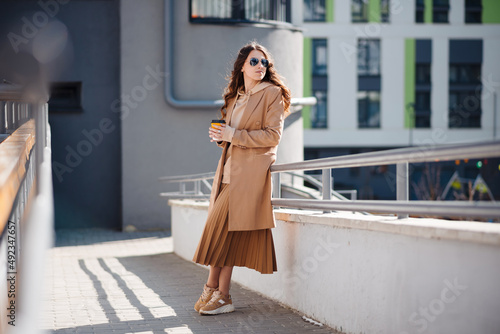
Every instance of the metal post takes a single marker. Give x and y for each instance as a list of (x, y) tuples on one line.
[(402, 191), (276, 185), (327, 183), (197, 187), (326, 179)]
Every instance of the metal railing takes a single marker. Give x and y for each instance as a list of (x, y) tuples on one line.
[(401, 157), (191, 186), (197, 181), (401, 206), (26, 210)]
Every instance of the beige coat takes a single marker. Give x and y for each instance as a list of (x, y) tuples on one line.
[(254, 145)]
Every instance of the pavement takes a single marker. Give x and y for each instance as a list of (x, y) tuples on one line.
[(101, 281)]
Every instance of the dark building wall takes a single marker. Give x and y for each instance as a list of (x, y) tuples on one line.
[(86, 147)]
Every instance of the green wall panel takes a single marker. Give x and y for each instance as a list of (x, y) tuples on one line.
[(329, 7), (428, 11), (409, 82), (374, 11), (491, 11)]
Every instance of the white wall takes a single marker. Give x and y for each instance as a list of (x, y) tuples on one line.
[(373, 275), (160, 140)]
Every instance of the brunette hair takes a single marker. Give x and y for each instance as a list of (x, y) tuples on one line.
[(236, 82)]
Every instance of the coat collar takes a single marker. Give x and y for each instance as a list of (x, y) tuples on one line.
[(253, 100)]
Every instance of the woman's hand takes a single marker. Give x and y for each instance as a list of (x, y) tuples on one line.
[(216, 134)]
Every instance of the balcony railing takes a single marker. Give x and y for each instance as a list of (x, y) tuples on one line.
[(333, 201), (274, 12), (401, 157)]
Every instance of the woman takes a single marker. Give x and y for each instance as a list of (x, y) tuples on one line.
[(240, 216)]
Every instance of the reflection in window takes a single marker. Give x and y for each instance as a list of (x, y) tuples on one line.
[(368, 57), (465, 109), (359, 11), (319, 115), (423, 73), (465, 74), (423, 109), (385, 10), (319, 57), (440, 11), (473, 11), (368, 109), (423, 96), (419, 11), (314, 10), (235, 11)]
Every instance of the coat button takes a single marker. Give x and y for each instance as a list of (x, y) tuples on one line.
[(257, 123)]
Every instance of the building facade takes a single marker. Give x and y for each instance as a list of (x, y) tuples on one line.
[(133, 86), (399, 73)]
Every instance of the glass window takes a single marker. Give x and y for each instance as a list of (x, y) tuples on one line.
[(234, 11), (440, 11), (465, 74), (423, 74), (314, 10), (368, 57), (423, 109), (359, 11), (419, 11), (319, 115), (385, 10), (473, 11), (465, 109), (211, 9), (368, 109), (320, 58)]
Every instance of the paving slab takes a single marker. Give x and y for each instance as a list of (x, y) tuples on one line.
[(101, 281)]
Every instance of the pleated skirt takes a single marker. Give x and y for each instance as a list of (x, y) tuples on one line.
[(219, 247)]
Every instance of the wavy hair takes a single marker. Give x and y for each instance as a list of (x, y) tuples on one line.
[(236, 82)]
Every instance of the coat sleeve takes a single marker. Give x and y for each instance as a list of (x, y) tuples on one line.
[(270, 135)]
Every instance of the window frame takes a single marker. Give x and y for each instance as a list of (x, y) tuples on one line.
[(319, 70), (316, 16), (362, 15), (365, 124), (323, 102), (473, 8), (368, 58), (440, 8)]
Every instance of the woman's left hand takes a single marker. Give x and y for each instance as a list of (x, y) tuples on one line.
[(216, 134)]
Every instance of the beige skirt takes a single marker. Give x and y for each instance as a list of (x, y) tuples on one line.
[(219, 247)]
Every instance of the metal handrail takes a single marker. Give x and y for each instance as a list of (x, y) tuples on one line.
[(401, 157), (433, 208)]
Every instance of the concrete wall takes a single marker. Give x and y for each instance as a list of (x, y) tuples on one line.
[(371, 274), (159, 140), (74, 41)]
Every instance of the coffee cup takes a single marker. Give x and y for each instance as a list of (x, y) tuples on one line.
[(217, 121)]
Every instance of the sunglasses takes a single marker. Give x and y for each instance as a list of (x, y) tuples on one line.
[(255, 61)]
